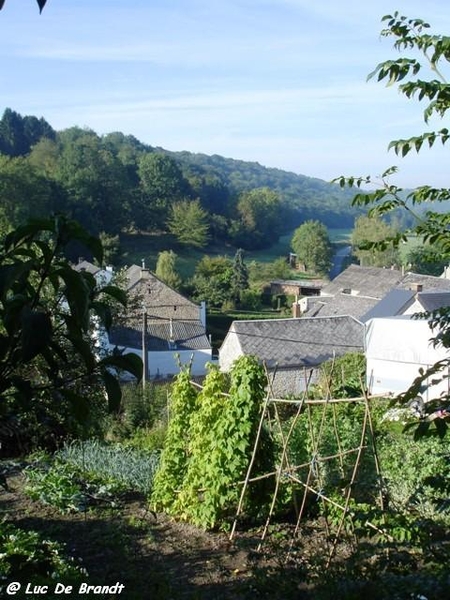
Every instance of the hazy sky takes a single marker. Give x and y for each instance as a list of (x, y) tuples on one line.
[(280, 82)]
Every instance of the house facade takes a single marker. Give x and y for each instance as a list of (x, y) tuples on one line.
[(292, 350), (163, 326), (396, 348)]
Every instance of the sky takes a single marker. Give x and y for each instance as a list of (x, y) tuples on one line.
[(279, 82)]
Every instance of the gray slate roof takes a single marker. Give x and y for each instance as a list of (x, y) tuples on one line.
[(434, 300), (160, 300), (429, 282), (364, 281), (296, 342), (341, 304), (185, 335), (367, 292), (390, 305)]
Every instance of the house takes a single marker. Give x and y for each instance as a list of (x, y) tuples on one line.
[(292, 349), (102, 276), (396, 348), (165, 324), (367, 292)]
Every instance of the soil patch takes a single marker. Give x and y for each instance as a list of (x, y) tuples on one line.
[(156, 557)]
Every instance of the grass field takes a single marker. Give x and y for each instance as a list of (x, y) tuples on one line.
[(138, 247)]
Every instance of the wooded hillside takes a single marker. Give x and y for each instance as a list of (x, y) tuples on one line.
[(115, 183)]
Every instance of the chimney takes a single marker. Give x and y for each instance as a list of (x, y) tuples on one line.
[(296, 312)]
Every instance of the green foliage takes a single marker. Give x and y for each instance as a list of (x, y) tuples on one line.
[(166, 269), (213, 281), (202, 486), (343, 377), (416, 475), (368, 241), (188, 222), (263, 272), (427, 259), (240, 276), (126, 467), (175, 456), (57, 485), (313, 248), (61, 366), (26, 556), (324, 441), (259, 222), (161, 186)]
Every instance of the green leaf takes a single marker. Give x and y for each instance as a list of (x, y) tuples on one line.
[(115, 292), (79, 404), (130, 362), (113, 391), (36, 333), (78, 288)]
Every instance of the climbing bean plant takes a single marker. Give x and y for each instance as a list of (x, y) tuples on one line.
[(174, 459), (201, 484)]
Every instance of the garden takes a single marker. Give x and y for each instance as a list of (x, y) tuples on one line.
[(221, 491)]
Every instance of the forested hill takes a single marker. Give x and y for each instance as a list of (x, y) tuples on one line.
[(114, 182), (312, 198)]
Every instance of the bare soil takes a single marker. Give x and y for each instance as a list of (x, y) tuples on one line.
[(156, 557)]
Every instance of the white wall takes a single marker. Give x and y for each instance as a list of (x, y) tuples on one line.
[(166, 364), (230, 350), (396, 348)]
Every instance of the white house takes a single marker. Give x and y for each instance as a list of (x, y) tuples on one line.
[(396, 348), (175, 327)]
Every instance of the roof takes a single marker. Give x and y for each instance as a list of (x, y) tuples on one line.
[(85, 265), (297, 342), (411, 280), (390, 305), (342, 304), (160, 300), (433, 300), (373, 282), (183, 335)]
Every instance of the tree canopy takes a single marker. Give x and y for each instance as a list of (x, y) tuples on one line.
[(368, 241), (312, 246), (421, 51)]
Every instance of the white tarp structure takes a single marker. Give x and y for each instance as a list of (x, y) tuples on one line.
[(396, 348)]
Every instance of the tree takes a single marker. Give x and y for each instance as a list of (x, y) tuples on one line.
[(24, 193), (240, 276), (162, 184), (95, 181), (189, 223), (259, 222), (51, 371), (426, 259), (312, 246), (432, 52), (166, 268), (213, 280), (370, 230), (18, 134)]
